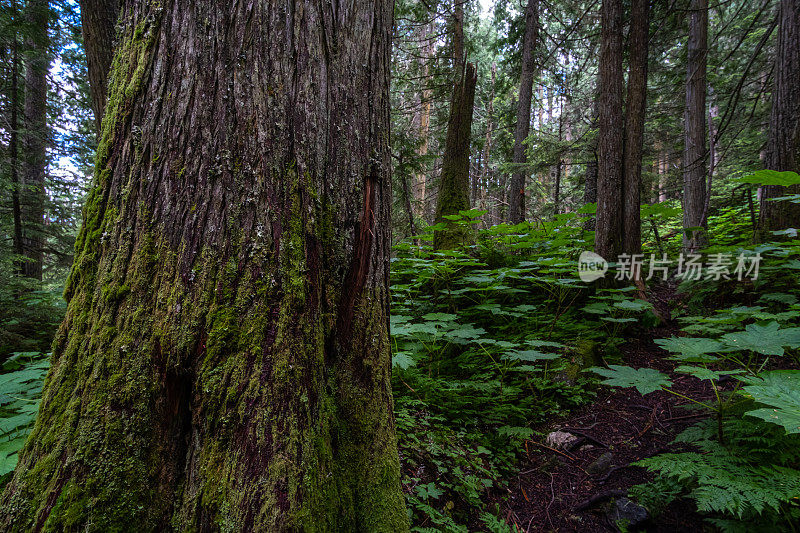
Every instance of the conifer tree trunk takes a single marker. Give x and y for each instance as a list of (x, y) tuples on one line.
[(487, 145), (635, 109), (98, 22), (34, 139), (454, 184), (224, 363), (424, 121), (695, 152), (609, 225), (783, 146), (590, 177), (516, 197), (13, 145)]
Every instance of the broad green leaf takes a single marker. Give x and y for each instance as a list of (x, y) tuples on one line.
[(705, 373), (780, 390), (442, 317), (543, 344), (473, 213), (531, 356), (403, 360), (772, 177), (690, 346), (597, 308), (766, 340), (633, 305), (645, 380)]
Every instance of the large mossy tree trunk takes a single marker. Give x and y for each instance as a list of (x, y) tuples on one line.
[(454, 183), (224, 363), (516, 196), (695, 153), (783, 147)]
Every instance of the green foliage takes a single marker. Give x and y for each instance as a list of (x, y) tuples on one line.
[(21, 380), (752, 477), (484, 338), (645, 380), (780, 392), (772, 177), (744, 471)]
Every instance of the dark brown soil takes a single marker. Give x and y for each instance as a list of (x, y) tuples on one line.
[(550, 489)]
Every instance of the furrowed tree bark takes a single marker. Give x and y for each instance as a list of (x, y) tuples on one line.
[(783, 146), (695, 153), (516, 198), (454, 184), (224, 363), (98, 23), (13, 145), (590, 184), (635, 110), (609, 225), (34, 138), (487, 145), (458, 39), (424, 122)]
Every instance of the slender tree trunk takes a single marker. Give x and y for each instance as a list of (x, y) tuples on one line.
[(663, 178), (454, 184), (590, 184), (407, 202), (783, 147), (712, 160), (559, 162), (609, 230), (98, 22), (695, 153), (516, 196), (13, 144), (634, 126), (458, 39), (487, 145), (225, 363), (557, 188), (424, 123), (34, 139)]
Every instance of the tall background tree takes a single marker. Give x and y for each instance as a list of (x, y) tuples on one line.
[(516, 198), (783, 145), (35, 137), (609, 230), (695, 154)]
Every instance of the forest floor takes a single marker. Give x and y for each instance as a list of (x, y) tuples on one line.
[(574, 488)]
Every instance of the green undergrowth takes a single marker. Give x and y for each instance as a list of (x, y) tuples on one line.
[(21, 378), (488, 346), (740, 465)]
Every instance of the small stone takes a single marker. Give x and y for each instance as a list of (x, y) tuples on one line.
[(560, 439), (628, 513), (602, 465), (586, 448)]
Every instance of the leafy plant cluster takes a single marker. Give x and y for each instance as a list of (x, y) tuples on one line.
[(489, 341), (21, 379), (741, 466)]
